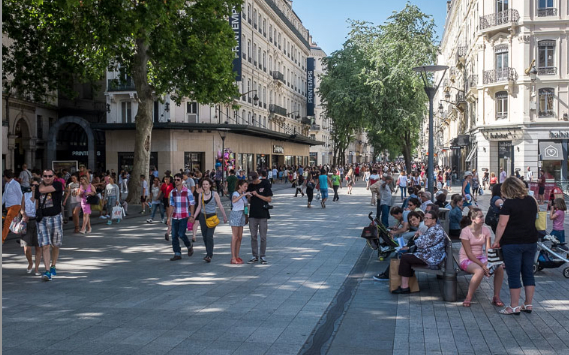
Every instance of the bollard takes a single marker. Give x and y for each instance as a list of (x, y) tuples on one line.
[(450, 287)]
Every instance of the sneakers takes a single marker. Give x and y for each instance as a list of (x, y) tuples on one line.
[(164, 220), (53, 271), (46, 276), (381, 277), (109, 222), (149, 220), (142, 212), (252, 260), (263, 260), (103, 217)]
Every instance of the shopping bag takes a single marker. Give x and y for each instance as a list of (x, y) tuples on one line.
[(395, 279), (541, 221), (117, 212), (18, 226)]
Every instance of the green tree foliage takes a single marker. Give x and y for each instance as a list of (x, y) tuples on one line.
[(391, 101), (167, 46)]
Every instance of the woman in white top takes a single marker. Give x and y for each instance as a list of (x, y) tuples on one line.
[(74, 200), (112, 193), (30, 239), (237, 219)]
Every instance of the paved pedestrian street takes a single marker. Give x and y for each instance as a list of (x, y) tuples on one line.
[(116, 292)]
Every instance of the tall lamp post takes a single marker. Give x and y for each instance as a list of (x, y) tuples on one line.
[(426, 72), (223, 134)]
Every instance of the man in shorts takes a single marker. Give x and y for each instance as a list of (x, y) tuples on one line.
[(323, 183), (50, 228)]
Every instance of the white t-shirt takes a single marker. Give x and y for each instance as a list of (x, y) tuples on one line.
[(275, 173), (239, 205), (144, 191), (402, 181), (25, 178)]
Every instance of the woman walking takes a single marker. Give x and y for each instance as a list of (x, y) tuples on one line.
[(85, 191), (156, 200), (30, 239), (112, 193), (310, 185), (466, 190), (517, 236), (238, 219), (208, 202), (350, 180), (73, 201), (474, 260)]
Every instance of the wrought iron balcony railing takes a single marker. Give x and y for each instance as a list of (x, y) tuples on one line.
[(498, 75), (277, 75), (277, 109), (461, 51), (546, 113), (547, 71), (120, 85), (306, 121), (550, 11), (499, 19), (472, 81), (315, 127), (460, 98)]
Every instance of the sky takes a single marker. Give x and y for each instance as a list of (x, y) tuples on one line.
[(326, 19)]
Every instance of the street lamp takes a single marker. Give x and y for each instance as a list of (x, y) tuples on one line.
[(255, 98), (223, 134), (430, 91)]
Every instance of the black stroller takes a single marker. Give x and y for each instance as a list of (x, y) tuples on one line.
[(378, 238)]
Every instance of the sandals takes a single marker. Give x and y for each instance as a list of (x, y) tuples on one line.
[(508, 311), (496, 302), (466, 303), (524, 308)]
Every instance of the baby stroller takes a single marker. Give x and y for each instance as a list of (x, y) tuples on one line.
[(378, 238), (551, 254)]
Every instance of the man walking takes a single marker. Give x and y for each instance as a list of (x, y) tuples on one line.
[(385, 200), (503, 175), (231, 182), (261, 196), (12, 199), (323, 183), (25, 177), (181, 208), (336, 184), (50, 227)]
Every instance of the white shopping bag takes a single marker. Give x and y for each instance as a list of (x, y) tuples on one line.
[(118, 212)]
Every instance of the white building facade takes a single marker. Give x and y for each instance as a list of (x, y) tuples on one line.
[(503, 103)]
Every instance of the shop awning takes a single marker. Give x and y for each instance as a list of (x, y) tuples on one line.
[(471, 154), (550, 151)]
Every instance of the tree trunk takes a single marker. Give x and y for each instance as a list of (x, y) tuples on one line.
[(406, 147), (143, 121)]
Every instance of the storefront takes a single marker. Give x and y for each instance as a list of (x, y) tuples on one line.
[(553, 159), (199, 146), (126, 161), (506, 156)]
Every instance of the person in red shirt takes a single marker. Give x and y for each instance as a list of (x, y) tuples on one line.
[(357, 172)]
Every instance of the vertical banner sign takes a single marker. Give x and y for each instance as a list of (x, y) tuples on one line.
[(235, 22), (310, 64)]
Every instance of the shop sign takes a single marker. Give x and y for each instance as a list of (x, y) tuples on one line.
[(559, 134), (81, 153), (235, 22), (310, 67), (278, 149), (502, 134), (550, 151), (504, 149)]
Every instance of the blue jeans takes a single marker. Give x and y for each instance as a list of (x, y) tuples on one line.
[(156, 206), (383, 211), (403, 192), (111, 202), (179, 227), (559, 234), (519, 258)]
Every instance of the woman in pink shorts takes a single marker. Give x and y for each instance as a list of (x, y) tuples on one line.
[(474, 236)]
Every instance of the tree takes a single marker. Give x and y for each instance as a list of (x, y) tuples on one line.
[(176, 47)]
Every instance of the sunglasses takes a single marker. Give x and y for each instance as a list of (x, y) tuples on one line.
[(48, 176), (178, 179), (35, 185)]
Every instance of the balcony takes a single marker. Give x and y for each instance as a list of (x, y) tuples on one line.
[(472, 82), (499, 19), (277, 110), (499, 75), (546, 113), (550, 11), (547, 71), (118, 85), (306, 121), (461, 55), (460, 98), (315, 127), (278, 76)]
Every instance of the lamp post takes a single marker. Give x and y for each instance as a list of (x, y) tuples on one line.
[(430, 91), (223, 134)]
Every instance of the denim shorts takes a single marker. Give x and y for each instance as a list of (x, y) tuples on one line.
[(559, 234), (324, 193), (519, 258)]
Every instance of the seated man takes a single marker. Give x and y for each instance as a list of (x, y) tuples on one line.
[(401, 218)]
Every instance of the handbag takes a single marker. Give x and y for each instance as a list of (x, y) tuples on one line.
[(210, 221), (495, 257), (370, 232), (18, 226), (93, 199), (395, 278), (491, 219), (39, 212)]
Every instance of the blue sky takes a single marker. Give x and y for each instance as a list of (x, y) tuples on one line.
[(326, 19)]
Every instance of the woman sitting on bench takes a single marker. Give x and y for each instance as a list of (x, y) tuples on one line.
[(474, 236), (430, 251)]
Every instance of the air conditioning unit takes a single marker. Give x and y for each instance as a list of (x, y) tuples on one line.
[(191, 118)]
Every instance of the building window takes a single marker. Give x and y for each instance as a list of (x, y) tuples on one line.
[(501, 5), (194, 161), (546, 102), (546, 57), (126, 112), (192, 107), (501, 105), (545, 8)]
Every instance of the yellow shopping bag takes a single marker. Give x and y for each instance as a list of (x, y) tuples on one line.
[(541, 221)]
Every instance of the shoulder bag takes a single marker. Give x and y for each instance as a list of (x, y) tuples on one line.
[(39, 212), (211, 221)]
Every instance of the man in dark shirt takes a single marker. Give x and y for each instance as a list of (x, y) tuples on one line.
[(231, 182), (50, 228), (258, 215)]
